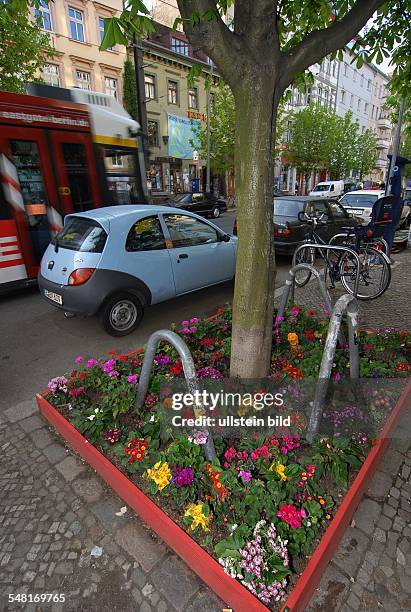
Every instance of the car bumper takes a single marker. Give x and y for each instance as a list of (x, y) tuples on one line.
[(285, 248), (75, 299)]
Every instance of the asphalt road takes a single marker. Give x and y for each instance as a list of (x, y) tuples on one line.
[(37, 342)]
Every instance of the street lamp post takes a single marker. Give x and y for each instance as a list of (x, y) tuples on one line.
[(208, 173)]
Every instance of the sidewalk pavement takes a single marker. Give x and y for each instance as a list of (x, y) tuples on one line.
[(62, 530)]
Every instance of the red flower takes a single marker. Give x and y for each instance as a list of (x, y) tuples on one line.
[(75, 392), (311, 312), (112, 353), (309, 334), (220, 310), (216, 356), (402, 366), (177, 368), (122, 357), (404, 333), (206, 342), (82, 375)]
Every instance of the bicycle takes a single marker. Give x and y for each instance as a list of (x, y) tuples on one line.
[(375, 269)]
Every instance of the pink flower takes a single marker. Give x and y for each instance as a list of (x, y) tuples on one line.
[(75, 392), (91, 362), (289, 514), (109, 365), (79, 359), (193, 329), (185, 323), (337, 376), (194, 320), (113, 373), (185, 330), (246, 476), (133, 378)]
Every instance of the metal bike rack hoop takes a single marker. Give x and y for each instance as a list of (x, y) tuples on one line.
[(350, 304), (189, 373), (332, 247), (289, 286)]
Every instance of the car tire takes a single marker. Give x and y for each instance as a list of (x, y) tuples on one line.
[(121, 314), (216, 212)]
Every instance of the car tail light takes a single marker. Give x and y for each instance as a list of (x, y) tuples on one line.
[(80, 276), (284, 232), (369, 233)]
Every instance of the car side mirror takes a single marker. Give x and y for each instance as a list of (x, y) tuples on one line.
[(302, 216), (225, 237)]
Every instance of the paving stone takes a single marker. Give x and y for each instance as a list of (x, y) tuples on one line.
[(55, 453), (350, 550), (139, 543), (89, 488), (331, 592), (174, 581), (70, 468), (21, 411), (105, 510), (391, 462), (205, 602), (32, 423), (379, 486), (367, 515)]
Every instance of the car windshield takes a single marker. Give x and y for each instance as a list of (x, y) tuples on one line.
[(81, 234), (322, 188), (287, 208), (364, 200), (182, 198)]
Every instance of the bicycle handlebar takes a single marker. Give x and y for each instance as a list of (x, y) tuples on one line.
[(321, 220)]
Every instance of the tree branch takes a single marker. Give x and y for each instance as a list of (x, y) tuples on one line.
[(320, 43), (213, 37)]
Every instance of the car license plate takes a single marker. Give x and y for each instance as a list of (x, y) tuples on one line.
[(54, 297), (356, 211)]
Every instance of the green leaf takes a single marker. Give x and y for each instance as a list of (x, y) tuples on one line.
[(177, 22), (113, 34)]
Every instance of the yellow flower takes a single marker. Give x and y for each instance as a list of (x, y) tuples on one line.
[(280, 471), (199, 519), (318, 334), (161, 474), (293, 339)]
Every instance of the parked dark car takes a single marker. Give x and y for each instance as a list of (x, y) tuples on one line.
[(205, 204), (289, 232)]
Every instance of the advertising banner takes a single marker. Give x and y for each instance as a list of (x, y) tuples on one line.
[(182, 133)]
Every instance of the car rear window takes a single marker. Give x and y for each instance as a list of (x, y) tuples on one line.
[(355, 200), (287, 208), (81, 234)]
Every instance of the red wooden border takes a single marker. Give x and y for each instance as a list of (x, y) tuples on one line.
[(209, 570)]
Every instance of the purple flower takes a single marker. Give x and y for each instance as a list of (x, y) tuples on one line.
[(58, 384), (162, 359), (183, 476), (185, 323), (209, 372), (337, 376), (295, 310), (91, 362), (113, 373), (109, 365), (185, 330), (194, 320), (133, 378), (79, 359), (193, 329), (246, 476), (198, 437)]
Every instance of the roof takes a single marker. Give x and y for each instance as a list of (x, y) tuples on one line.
[(366, 191)]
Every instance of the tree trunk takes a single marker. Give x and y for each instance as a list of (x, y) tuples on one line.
[(256, 110)]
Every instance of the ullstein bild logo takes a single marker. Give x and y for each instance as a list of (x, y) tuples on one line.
[(31, 118)]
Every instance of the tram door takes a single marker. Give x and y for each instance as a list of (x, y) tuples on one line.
[(34, 191), (76, 171)]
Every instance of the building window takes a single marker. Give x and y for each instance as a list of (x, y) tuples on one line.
[(345, 69), (43, 14), (309, 95), (354, 75), (369, 84), (372, 111), (380, 91), (359, 104), (343, 97), (352, 100), (153, 133), (362, 81), (363, 129), (179, 46), (193, 98), (76, 19), (111, 87), (150, 86), (366, 108), (172, 92), (83, 80), (51, 75), (334, 68), (325, 97)]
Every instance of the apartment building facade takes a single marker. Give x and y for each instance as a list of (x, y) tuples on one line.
[(175, 112), (76, 29)]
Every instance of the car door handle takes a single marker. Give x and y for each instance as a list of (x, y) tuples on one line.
[(183, 256)]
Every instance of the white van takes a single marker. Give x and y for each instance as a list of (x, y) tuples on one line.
[(328, 189)]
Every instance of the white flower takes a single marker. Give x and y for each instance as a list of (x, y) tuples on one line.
[(91, 417)]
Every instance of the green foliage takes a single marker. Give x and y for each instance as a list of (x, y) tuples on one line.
[(129, 89), (365, 152), (24, 48)]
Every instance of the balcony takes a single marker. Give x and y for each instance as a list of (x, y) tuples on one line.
[(384, 124), (383, 143)]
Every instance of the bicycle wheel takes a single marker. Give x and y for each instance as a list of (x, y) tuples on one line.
[(375, 273), (307, 256)]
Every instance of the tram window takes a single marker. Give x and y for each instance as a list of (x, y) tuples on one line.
[(27, 162), (75, 162), (121, 168)]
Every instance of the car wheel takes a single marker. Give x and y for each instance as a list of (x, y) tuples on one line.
[(216, 212), (121, 314)]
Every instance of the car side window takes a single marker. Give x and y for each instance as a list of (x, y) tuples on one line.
[(198, 197), (187, 231), (146, 235), (337, 210), (316, 208), (332, 188)]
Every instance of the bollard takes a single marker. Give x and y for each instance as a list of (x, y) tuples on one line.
[(189, 373)]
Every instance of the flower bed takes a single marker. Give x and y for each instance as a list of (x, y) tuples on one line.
[(261, 508)]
